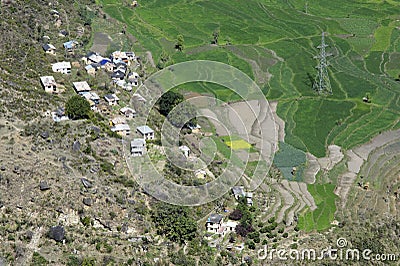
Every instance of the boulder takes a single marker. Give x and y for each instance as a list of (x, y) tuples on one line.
[(57, 233)]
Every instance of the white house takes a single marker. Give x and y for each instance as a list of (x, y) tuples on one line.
[(49, 84), (239, 192), (138, 147), (62, 67), (146, 132), (49, 49), (185, 150), (111, 99), (127, 112), (230, 226), (90, 96), (121, 129), (117, 120), (59, 115), (214, 223), (91, 70), (81, 86), (70, 46), (94, 58), (119, 56)]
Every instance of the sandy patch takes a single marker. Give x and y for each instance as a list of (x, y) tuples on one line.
[(101, 41), (312, 169), (279, 123), (314, 164), (287, 199), (364, 150)]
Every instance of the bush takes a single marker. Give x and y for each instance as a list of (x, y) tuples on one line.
[(86, 221), (236, 215), (250, 244), (38, 259)]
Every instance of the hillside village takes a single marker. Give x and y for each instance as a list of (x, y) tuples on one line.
[(120, 67)]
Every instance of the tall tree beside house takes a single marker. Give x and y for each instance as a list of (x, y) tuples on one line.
[(184, 115), (179, 42), (77, 107)]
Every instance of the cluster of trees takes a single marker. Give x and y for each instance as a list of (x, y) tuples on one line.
[(174, 222), (243, 214)]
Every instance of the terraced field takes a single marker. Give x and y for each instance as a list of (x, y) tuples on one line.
[(377, 190), (274, 42)]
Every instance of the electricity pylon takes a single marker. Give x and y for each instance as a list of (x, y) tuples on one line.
[(322, 85)]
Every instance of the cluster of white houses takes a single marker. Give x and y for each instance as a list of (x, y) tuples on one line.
[(117, 65)]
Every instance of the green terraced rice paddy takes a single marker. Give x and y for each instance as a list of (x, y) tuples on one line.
[(321, 218)]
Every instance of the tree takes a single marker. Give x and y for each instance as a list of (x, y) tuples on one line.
[(174, 222), (77, 107), (168, 101), (179, 42), (215, 36)]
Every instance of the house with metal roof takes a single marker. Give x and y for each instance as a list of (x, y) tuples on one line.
[(81, 86), (49, 48), (214, 223), (146, 132), (111, 99)]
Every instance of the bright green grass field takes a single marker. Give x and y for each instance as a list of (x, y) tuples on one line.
[(320, 219), (274, 42)]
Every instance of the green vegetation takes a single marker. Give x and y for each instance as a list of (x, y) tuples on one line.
[(321, 218), (360, 36), (168, 101), (174, 222), (77, 107), (289, 157), (38, 260)]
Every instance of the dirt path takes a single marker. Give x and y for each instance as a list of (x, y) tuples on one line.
[(31, 247), (149, 57)]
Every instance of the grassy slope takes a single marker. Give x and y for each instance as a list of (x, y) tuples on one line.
[(255, 27)]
